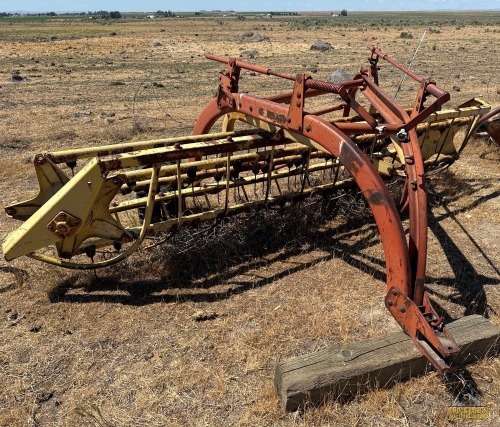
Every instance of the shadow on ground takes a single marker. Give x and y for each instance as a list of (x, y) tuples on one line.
[(235, 254)]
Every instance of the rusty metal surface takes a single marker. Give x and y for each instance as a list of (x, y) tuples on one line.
[(405, 262)]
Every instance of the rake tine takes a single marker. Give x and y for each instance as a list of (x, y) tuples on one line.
[(164, 208), (207, 200), (245, 193), (228, 168), (278, 185), (269, 172), (305, 172), (179, 194)]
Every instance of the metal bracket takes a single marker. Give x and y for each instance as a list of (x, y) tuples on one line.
[(435, 343), (229, 80), (295, 117), (64, 224)]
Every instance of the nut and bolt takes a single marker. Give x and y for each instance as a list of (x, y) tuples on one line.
[(402, 135)]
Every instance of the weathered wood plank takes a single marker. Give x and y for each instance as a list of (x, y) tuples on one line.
[(347, 370)]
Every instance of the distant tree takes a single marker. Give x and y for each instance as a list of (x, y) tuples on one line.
[(51, 14), (343, 12), (103, 14), (115, 15), (166, 14)]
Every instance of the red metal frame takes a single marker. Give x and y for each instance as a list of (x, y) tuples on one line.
[(405, 261)]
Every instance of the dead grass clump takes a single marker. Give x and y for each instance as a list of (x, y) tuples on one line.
[(13, 144), (213, 251)]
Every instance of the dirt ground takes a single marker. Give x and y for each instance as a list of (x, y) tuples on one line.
[(124, 347)]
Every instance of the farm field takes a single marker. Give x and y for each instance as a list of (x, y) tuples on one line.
[(189, 333)]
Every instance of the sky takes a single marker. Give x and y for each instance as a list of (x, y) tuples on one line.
[(241, 5)]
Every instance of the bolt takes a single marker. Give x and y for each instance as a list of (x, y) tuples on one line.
[(402, 309), (41, 160), (50, 227), (62, 228), (409, 159), (10, 211), (402, 135), (299, 95), (250, 108), (390, 303), (394, 292), (308, 128), (298, 104), (177, 146), (63, 216)]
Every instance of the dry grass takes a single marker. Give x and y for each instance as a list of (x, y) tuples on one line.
[(189, 334)]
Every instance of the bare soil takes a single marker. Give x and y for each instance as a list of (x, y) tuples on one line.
[(190, 333)]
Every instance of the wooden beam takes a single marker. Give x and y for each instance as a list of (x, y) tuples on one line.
[(344, 371)]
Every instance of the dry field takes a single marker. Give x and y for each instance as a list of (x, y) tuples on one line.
[(126, 347)]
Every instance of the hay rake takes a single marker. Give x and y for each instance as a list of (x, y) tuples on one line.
[(271, 151)]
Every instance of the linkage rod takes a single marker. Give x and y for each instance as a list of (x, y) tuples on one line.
[(431, 87), (309, 83)]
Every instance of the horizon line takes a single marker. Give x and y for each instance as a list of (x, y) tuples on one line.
[(264, 11)]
